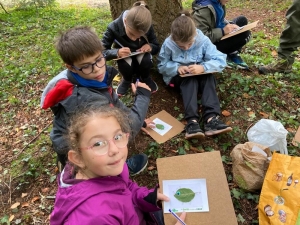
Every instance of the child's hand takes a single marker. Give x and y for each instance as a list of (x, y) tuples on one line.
[(145, 48), (139, 84), (229, 28), (182, 217), (150, 124), (196, 69), (123, 52), (162, 197), (183, 70)]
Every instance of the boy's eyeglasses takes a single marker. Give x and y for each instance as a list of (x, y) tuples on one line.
[(101, 147), (89, 68)]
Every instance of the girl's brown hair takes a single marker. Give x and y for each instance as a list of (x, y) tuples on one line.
[(77, 43), (80, 119), (139, 17), (183, 28)]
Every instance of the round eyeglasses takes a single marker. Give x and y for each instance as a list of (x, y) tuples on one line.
[(101, 147), (89, 68)]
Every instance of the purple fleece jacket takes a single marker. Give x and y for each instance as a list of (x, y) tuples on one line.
[(103, 200)]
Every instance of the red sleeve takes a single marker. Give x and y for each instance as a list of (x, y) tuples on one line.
[(61, 91)]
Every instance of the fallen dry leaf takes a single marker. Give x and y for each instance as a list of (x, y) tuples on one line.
[(151, 168), (25, 204), (274, 53), (194, 148), (15, 205), (251, 113), (264, 115), (245, 95), (44, 190), (35, 198), (11, 218), (226, 113), (291, 130), (24, 195), (117, 78)]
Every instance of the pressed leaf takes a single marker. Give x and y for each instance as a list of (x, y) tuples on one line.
[(184, 195)]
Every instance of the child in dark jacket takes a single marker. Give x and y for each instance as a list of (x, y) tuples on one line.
[(95, 187), (209, 16), (188, 50), (132, 32), (88, 81)]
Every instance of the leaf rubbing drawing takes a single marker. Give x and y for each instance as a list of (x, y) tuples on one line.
[(160, 126), (184, 195)]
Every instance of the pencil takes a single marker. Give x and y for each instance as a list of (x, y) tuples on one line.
[(119, 43), (177, 217)]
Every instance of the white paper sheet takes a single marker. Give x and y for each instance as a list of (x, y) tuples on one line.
[(187, 195), (164, 127)]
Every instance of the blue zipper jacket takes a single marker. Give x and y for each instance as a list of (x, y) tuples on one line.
[(203, 51)]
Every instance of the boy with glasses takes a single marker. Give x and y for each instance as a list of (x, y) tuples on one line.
[(88, 81)]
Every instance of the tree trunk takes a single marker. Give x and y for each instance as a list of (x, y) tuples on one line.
[(163, 13)]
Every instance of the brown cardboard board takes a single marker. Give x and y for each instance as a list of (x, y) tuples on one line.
[(177, 127), (192, 74), (245, 28), (296, 139), (132, 54), (194, 166)]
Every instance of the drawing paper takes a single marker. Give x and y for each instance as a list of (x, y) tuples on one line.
[(192, 191), (161, 127)]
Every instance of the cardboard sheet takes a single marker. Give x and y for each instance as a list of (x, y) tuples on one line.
[(192, 74), (245, 28), (177, 127), (296, 139), (197, 166), (132, 54)]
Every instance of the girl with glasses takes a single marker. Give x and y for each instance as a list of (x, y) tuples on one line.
[(95, 187)]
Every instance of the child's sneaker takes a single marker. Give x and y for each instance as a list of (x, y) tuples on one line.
[(279, 66), (193, 130), (216, 126), (137, 163), (123, 87), (152, 85), (235, 59)]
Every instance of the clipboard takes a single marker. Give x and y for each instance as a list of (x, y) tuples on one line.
[(206, 165), (131, 54), (192, 74), (241, 30), (177, 127)]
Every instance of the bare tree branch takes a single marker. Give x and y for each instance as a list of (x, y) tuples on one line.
[(4, 8)]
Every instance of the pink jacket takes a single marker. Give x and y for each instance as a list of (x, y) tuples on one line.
[(104, 200)]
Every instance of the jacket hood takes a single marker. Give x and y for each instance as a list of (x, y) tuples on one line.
[(62, 85), (72, 192)]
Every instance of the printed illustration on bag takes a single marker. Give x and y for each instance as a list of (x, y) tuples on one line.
[(282, 216), (277, 177), (268, 210), (289, 180), (279, 199), (296, 182)]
